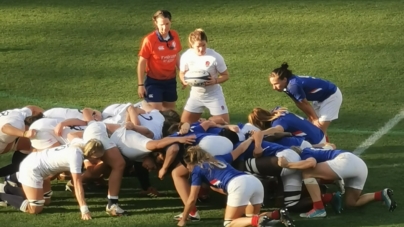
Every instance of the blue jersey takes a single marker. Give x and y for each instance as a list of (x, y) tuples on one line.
[(269, 149), (290, 141), (299, 126), (218, 176), (197, 127), (320, 155), (310, 88), (199, 135)]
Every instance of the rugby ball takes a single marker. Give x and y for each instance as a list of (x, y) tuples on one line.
[(197, 78)]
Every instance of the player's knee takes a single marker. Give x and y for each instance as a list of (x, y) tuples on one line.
[(32, 206)]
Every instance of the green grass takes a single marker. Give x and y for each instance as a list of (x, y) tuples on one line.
[(84, 53)]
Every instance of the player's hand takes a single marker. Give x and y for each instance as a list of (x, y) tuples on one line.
[(86, 216), (184, 85), (187, 139), (162, 173), (182, 222), (141, 91), (58, 129), (282, 162), (30, 133), (211, 81), (184, 128)]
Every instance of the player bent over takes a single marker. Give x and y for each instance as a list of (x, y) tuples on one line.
[(335, 165), (245, 192), (38, 166)]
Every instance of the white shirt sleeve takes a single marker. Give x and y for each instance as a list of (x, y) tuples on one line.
[(220, 64), (184, 62), (76, 160), (26, 112)]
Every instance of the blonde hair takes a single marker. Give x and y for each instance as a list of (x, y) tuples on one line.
[(93, 147), (197, 35), (195, 155), (259, 117)]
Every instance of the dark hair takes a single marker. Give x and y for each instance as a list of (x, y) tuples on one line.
[(171, 115), (161, 13), (174, 128), (282, 72), (31, 119)]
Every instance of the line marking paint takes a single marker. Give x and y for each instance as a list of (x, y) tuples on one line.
[(379, 133)]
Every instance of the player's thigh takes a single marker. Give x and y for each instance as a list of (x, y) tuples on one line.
[(329, 108), (113, 158)]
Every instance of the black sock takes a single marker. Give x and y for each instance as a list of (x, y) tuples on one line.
[(14, 166), (14, 200), (112, 202), (142, 175), (14, 190)]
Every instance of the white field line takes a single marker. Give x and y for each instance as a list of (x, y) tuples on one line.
[(379, 133)]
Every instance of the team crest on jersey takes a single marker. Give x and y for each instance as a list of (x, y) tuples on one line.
[(207, 63)]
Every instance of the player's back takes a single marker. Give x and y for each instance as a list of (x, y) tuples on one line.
[(320, 155), (316, 89), (64, 113)]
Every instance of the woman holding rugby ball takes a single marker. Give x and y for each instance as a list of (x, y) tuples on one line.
[(198, 57), (325, 96)]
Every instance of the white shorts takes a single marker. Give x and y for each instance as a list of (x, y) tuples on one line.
[(215, 103), (216, 145), (131, 144), (291, 178), (351, 169), (28, 174), (98, 130), (328, 109), (243, 190), (45, 139)]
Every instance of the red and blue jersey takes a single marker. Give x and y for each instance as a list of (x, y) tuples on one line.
[(320, 155), (310, 88), (299, 126), (218, 175)]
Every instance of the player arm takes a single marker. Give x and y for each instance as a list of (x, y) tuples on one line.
[(304, 164), (306, 107), (140, 129), (241, 148), (171, 154), (141, 69), (75, 169), (271, 131), (88, 114), (167, 141), (222, 69), (191, 201), (12, 131)]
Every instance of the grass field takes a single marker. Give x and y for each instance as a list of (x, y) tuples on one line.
[(84, 53)]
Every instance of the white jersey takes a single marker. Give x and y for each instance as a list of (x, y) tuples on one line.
[(152, 120), (131, 144), (46, 135), (15, 118), (55, 160), (117, 109), (212, 62), (64, 113)]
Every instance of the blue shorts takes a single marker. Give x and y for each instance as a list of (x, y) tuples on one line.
[(160, 90)]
